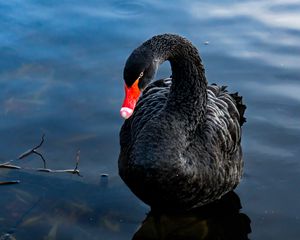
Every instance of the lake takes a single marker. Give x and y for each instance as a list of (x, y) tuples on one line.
[(61, 70)]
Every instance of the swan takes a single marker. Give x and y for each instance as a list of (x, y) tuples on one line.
[(181, 138)]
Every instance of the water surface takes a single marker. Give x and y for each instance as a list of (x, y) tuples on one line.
[(61, 74)]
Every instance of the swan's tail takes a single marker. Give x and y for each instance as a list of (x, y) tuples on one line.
[(240, 106), (219, 90)]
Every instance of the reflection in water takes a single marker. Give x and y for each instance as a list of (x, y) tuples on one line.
[(219, 220), (48, 206)]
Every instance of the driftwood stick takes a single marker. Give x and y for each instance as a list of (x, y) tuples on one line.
[(30, 151), (9, 166), (72, 171), (34, 151), (44, 160), (45, 169), (6, 163), (77, 160), (9, 182)]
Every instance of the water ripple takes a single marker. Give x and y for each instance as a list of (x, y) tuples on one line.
[(128, 8), (266, 23)]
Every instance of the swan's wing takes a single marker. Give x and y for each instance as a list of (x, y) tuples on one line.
[(224, 119), (150, 103)]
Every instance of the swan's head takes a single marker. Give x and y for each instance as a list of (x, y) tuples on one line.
[(139, 71)]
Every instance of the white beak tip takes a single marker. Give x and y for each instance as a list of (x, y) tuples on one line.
[(126, 112)]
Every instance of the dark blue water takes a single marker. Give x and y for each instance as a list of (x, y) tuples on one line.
[(61, 68)]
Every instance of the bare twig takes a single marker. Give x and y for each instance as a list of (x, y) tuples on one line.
[(76, 170), (77, 160), (5, 163), (9, 182), (72, 171), (45, 169), (44, 160), (34, 151), (9, 166)]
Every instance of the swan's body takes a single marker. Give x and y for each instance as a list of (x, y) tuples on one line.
[(181, 146)]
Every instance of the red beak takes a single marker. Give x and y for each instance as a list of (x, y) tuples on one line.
[(131, 96)]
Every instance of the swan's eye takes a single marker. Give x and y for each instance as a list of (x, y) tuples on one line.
[(141, 75)]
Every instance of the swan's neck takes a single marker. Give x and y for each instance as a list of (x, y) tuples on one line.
[(188, 94)]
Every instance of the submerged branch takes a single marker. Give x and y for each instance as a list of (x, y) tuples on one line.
[(45, 169)]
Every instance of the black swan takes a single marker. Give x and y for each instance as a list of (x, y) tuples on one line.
[(180, 142)]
